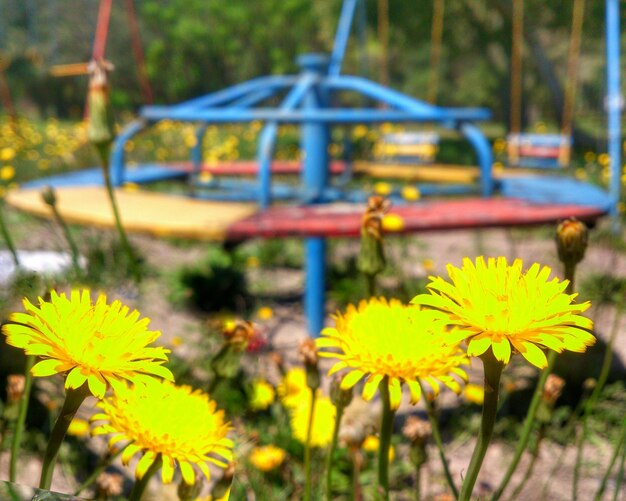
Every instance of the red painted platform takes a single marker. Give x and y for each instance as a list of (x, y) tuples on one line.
[(251, 167), (344, 220)]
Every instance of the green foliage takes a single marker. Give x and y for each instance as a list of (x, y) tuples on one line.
[(218, 283), (109, 263), (603, 289)]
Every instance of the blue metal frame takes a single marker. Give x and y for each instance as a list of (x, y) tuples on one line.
[(308, 101), (614, 103)]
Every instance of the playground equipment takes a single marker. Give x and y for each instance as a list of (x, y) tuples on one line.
[(99, 47), (548, 151), (312, 101)]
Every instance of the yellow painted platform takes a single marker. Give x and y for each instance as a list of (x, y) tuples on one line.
[(141, 211), (420, 173)]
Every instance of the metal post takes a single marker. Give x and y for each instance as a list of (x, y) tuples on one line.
[(315, 137), (613, 103), (341, 37)]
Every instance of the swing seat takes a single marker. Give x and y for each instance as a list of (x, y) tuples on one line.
[(539, 151), (408, 148)]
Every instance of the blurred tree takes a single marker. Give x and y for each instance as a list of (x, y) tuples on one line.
[(198, 46)]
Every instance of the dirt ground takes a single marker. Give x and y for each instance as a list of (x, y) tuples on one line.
[(287, 327)]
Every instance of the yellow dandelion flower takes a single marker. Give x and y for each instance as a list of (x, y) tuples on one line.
[(265, 313), (180, 424), (411, 193), (262, 395), (7, 172), (393, 222), (267, 458), (98, 343), (7, 154), (495, 305), (372, 444), (293, 388), (78, 428), (474, 393), (382, 188), (387, 339), (323, 420)]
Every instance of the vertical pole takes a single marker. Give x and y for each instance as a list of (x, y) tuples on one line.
[(315, 137), (613, 103), (140, 59), (341, 37)]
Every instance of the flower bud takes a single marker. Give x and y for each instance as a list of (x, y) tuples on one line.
[(371, 259), (100, 119), (49, 196), (15, 387), (109, 485), (238, 332), (417, 430), (552, 389), (308, 355), (340, 398), (571, 241)]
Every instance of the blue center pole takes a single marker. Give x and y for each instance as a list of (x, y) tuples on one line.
[(613, 103), (314, 141)]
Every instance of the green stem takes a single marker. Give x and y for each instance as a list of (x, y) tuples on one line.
[(73, 400), (531, 465), (371, 284), (7, 236), (21, 417), (620, 475), (104, 464), (418, 482), (357, 460), (386, 430), (493, 371), (593, 398), (616, 451), (434, 424), (104, 155), (140, 485), (307, 449), (529, 423), (569, 269), (70, 240), (331, 452)]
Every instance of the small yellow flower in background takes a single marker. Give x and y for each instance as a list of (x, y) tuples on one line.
[(267, 458), (372, 444), (7, 154), (181, 424), (265, 313), (262, 395), (7, 172), (387, 339), (177, 341), (382, 188), (495, 305), (253, 262), (78, 428), (323, 420), (293, 388), (604, 159), (428, 265), (393, 222), (474, 393), (98, 343), (130, 187), (205, 177), (411, 193), (590, 156)]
